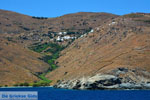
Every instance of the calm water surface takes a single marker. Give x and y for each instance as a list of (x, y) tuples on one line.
[(48, 93)]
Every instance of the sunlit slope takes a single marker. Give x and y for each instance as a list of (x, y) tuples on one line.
[(123, 42), (17, 64)]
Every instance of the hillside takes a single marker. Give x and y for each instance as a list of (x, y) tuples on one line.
[(120, 47), (83, 50), (28, 30), (18, 65), (20, 32)]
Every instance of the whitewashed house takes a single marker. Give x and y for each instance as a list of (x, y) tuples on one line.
[(60, 33), (64, 33), (112, 23), (58, 38), (67, 37), (91, 31)]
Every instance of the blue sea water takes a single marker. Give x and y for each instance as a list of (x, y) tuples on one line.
[(48, 93)]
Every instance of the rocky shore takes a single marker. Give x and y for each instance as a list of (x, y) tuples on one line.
[(121, 78)]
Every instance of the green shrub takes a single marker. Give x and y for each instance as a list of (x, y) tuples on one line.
[(22, 84), (39, 17), (53, 66), (26, 84), (35, 85), (53, 48), (41, 83), (147, 21), (16, 85)]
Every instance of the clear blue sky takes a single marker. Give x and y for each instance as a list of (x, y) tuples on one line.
[(54, 8)]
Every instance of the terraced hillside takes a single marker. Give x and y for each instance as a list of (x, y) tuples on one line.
[(123, 43), (29, 29)]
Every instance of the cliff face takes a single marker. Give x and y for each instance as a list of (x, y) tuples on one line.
[(119, 43)]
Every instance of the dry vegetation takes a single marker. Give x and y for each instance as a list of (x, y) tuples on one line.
[(18, 64), (117, 41), (121, 42)]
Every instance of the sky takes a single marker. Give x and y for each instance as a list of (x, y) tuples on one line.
[(55, 8)]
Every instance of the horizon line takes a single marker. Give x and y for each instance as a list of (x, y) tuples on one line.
[(72, 13)]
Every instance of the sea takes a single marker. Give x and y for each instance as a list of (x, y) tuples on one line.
[(49, 93)]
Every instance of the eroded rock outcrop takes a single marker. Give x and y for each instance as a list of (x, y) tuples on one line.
[(120, 78)]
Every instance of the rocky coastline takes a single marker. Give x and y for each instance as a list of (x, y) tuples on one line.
[(110, 81)]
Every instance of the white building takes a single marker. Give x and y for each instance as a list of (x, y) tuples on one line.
[(64, 33), (112, 23), (91, 31), (81, 36), (58, 38), (67, 37), (60, 33)]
